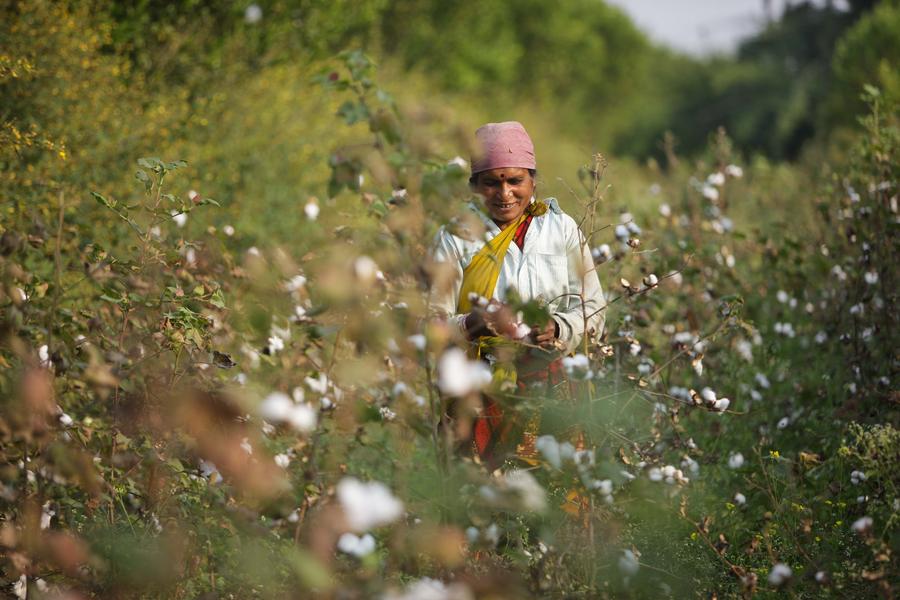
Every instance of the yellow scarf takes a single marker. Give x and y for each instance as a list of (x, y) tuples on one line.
[(480, 277)]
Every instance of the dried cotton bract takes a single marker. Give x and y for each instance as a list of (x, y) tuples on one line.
[(367, 505)]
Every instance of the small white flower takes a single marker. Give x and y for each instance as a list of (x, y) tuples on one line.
[(311, 210), (780, 574), (282, 460), (387, 414), (179, 217), (736, 460), (367, 505), (354, 545)]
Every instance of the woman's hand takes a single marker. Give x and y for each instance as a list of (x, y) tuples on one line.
[(546, 336), (494, 319)]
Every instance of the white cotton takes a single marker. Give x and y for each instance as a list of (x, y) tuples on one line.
[(740, 499), (622, 232), (763, 381), (856, 477), (302, 418), (275, 344), (252, 14), (736, 460), (665, 210), (46, 515), (734, 171), (530, 492), (717, 178), (417, 340), (228, 230), (246, 447), (783, 422), (708, 395), (710, 192), (179, 217), (458, 376), (628, 563), (367, 505), (365, 269), (65, 420), (357, 546), (862, 524), (295, 283), (871, 277), (276, 407), (318, 385), (20, 587), (602, 253), (44, 356), (311, 210), (549, 449), (459, 161), (780, 574), (655, 474), (282, 460)]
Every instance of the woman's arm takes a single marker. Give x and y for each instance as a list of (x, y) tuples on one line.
[(580, 317)]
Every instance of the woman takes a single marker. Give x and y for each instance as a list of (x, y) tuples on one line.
[(529, 246)]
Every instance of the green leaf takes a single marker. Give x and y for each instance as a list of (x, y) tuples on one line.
[(102, 200), (142, 176), (217, 299)]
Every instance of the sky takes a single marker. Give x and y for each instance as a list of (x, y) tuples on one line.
[(702, 27)]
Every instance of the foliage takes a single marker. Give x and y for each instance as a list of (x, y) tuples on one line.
[(189, 385)]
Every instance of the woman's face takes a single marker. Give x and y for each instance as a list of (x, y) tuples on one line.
[(506, 193)]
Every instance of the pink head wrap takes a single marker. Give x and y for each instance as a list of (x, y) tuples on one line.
[(503, 145)]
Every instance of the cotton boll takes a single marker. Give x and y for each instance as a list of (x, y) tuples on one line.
[(367, 505), (311, 210), (458, 376), (302, 418), (740, 499), (276, 407), (780, 574), (282, 460), (736, 460), (549, 449), (629, 564), (354, 545), (532, 496)]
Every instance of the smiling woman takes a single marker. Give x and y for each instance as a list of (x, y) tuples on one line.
[(531, 250)]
